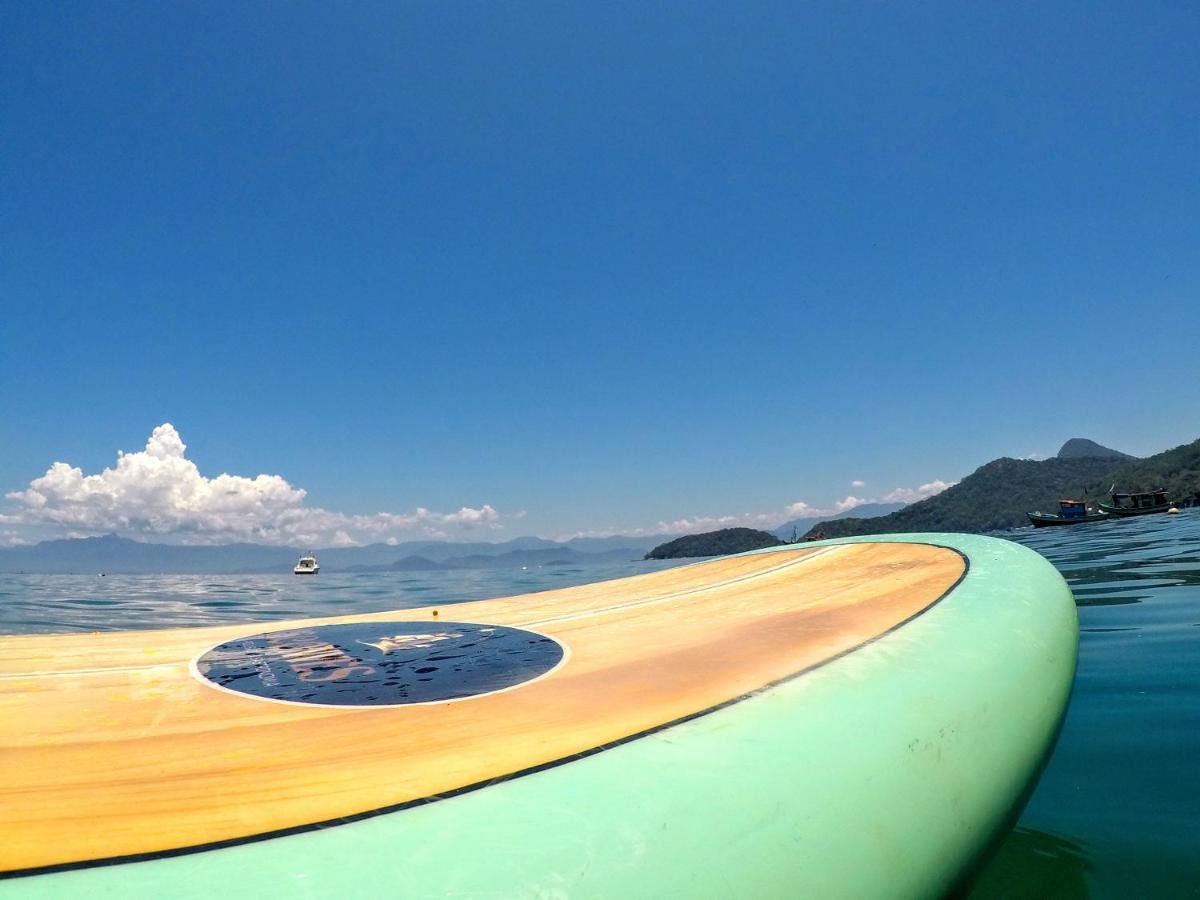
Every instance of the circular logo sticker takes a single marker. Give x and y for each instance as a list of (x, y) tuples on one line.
[(380, 663)]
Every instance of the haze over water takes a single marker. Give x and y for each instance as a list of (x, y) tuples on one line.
[(1116, 814)]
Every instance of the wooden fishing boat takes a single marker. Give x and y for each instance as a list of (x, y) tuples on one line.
[(1070, 512), (1137, 504)]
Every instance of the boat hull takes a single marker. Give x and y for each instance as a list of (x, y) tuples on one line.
[(1049, 521), (1126, 513)]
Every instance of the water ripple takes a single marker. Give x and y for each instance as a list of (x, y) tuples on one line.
[(1121, 792), (31, 604)]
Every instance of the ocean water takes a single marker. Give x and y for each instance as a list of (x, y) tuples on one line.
[(32, 604), (1117, 811), (1116, 814)]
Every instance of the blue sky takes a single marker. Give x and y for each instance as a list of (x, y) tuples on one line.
[(593, 267)]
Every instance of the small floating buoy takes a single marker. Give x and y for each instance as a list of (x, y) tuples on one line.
[(435, 613), (1173, 510)]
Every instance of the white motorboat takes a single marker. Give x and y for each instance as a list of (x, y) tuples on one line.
[(307, 565)]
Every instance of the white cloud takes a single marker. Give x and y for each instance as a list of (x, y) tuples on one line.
[(802, 510), (768, 520), (467, 516), (682, 525), (696, 524), (858, 483), (912, 495), (159, 493), (10, 538)]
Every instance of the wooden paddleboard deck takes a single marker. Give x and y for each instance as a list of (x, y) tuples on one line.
[(131, 748)]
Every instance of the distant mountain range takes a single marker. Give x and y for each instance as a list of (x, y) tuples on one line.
[(113, 554), (998, 494), (801, 527)]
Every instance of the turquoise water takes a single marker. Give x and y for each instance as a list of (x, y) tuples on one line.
[(1116, 814)]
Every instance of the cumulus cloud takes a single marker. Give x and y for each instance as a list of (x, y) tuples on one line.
[(858, 483), (912, 495), (803, 510), (466, 516), (158, 492)]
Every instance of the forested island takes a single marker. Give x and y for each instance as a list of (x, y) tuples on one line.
[(715, 543)]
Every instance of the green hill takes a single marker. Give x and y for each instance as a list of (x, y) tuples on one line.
[(993, 497), (714, 543), (1000, 493), (1177, 470)]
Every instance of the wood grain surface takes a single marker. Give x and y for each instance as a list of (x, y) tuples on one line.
[(111, 745)]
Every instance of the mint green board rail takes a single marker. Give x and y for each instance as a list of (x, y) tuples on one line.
[(888, 772)]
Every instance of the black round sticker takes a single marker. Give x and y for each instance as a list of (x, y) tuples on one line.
[(380, 663)]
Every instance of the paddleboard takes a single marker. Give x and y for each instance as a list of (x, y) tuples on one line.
[(858, 717)]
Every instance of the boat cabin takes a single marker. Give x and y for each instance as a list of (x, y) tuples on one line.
[(1143, 500), (1072, 509)]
